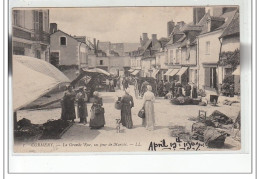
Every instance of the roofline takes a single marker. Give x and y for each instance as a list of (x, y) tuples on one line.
[(71, 37)]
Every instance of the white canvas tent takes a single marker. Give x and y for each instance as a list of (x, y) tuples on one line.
[(32, 78)]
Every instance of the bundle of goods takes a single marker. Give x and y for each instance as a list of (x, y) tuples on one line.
[(53, 129), (181, 100), (26, 130), (179, 131), (214, 138), (219, 118)]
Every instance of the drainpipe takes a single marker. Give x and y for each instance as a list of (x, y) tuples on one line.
[(197, 63), (220, 50)]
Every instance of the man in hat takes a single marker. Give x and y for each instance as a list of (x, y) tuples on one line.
[(82, 106)]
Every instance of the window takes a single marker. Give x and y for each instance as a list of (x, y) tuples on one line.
[(101, 62), (16, 17), (177, 56), (207, 47), (63, 41), (211, 77), (38, 54)]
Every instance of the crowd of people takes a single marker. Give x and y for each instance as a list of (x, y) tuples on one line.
[(143, 89), (97, 117)]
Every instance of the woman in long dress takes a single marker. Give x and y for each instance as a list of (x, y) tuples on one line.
[(97, 119), (149, 99), (68, 106), (127, 103)]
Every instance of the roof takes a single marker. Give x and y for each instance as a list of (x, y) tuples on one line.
[(71, 37), (146, 45), (233, 27), (191, 28), (226, 17)]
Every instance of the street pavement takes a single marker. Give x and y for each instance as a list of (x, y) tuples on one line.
[(80, 138)]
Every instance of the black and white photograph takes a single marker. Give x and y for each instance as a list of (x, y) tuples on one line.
[(126, 79)]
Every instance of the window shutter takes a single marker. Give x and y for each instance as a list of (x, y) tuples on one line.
[(207, 77)]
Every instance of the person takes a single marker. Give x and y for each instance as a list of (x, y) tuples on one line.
[(82, 106), (68, 106), (179, 90), (187, 89), (107, 85), (144, 87), (194, 91), (97, 119), (173, 87), (136, 88), (115, 82), (160, 88), (167, 86), (111, 85), (125, 83), (149, 99), (127, 103)]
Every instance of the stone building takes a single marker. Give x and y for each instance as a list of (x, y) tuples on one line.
[(30, 33)]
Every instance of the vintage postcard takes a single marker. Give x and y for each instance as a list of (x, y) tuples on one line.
[(126, 79)]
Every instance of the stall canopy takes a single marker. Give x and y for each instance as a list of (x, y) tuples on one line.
[(32, 78), (131, 70), (155, 73), (168, 72), (94, 72), (182, 70), (174, 72), (135, 72), (237, 71)]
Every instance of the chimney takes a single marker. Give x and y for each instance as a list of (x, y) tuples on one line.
[(53, 28), (95, 45), (154, 39), (170, 27), (145, 37), (198, 13)]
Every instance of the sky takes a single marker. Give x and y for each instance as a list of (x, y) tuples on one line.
[(120, 24)]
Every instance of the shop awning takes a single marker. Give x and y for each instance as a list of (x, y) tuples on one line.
[(237, 71), (168, 72), (135, 72), (155, 73), (182, 70), (174, 72), (131, 70)]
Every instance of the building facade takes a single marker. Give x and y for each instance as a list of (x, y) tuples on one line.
[(65, 50), (30, 33)]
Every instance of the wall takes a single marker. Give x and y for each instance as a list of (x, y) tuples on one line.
[(212, 57), (230, 44), (68, 53)]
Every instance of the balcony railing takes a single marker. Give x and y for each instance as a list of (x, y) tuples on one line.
[(40, 36)]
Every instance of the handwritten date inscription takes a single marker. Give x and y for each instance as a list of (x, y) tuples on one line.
[(178, 144)]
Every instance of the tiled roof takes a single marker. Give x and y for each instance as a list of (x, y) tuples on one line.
[(233, 27)]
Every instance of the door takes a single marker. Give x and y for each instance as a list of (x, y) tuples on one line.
[(55, 58)]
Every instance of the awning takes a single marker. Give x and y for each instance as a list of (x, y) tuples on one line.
[(155, 73), (182, 70), (237, 71), (135, 72), (131, 70), (32, 78), (174, 72), (168, 72)]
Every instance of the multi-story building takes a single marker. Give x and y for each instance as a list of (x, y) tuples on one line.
[(67, 50), (209, 47), (30, 33)]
